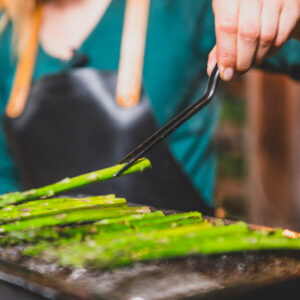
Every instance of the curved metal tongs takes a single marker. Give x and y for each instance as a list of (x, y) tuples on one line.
[(175, 123)]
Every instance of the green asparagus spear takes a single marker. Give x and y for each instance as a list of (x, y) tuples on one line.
[(57, 232), (57, 208), (105, 250), (107, 234), (115, 242), (182, 241), (253, 241), (129, 224), (197, 245), (71, 183), (81, 216), (231, 238), (48, 202), (112, 231)]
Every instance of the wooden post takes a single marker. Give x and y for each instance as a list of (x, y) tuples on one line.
[(273, 150)]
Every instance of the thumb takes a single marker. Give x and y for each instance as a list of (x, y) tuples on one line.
[(212, 60)]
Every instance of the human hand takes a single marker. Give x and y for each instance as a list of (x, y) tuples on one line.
[(247, 31)]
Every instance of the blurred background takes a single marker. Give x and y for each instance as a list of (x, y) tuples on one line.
[(258, 144)]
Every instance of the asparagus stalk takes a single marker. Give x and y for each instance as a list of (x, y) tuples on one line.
[(205, 245), (71, 183), (109, 233), (106, 251), (114, 225), (183, 241), (128, 220), (124, 241), (231, 238), (57, 208), (56, 233), (81, 216), (47, 202), (151, 222), (127, 225), (253, 241)]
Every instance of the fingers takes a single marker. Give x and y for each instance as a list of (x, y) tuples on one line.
[(288, 20), (269, 26), (212, 60), (248, 33), (226, 25)]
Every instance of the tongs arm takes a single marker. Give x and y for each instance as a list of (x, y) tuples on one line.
[(175, 123)]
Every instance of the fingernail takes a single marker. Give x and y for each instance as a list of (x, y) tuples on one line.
[(228, 74)]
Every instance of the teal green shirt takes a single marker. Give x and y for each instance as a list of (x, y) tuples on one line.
[(180, 36)]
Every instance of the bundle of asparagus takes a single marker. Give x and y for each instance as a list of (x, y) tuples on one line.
[(104, 232), (166, 240), (52, 206), (120, 235), (77, 216), (53, 233)]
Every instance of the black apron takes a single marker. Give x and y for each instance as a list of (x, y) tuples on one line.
[(72, 125)]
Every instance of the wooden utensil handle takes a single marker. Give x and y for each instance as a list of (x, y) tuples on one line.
[(132, 53), (25, 69)]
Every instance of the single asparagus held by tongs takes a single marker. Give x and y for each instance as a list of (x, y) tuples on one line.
[(68, 184)]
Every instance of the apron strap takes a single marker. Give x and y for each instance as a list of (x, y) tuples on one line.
[(130, 65), (24, 71), (131, 62)]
